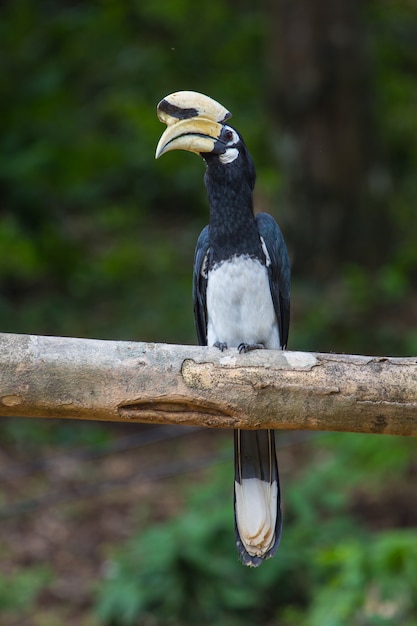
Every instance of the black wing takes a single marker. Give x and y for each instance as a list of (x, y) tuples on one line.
[(278, 270), (200, 285)]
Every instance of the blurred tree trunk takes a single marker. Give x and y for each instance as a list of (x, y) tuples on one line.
[(319, 95)]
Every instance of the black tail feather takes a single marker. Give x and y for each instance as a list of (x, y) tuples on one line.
[(255, 458)]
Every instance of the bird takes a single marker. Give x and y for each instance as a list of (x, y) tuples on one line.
[(241, 292)]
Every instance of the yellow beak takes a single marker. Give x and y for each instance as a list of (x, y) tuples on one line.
[(194, 122), (197, 134)]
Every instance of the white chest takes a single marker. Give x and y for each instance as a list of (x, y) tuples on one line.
[(239, 304)]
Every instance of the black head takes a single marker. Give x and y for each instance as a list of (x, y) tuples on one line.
[(230, 158)]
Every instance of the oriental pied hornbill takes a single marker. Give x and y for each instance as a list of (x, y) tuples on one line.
[(241, 293)]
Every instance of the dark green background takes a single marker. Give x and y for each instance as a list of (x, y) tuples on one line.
[(97, 240)]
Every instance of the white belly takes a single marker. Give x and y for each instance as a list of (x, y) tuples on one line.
[(239, 304)]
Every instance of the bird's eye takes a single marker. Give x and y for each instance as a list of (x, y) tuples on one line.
[(228, 135)]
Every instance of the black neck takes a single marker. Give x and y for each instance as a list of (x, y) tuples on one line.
[(233, 229)]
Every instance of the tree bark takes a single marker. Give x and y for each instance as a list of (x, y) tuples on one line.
[(92, 379)]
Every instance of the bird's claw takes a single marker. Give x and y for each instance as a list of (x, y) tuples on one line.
[(221, 345), (247, 347)]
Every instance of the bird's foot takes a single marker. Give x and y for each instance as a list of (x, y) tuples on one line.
[(221, 345), (247, 347)]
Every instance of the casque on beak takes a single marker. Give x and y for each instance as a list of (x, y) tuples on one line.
[(194, 122), (182, 105)]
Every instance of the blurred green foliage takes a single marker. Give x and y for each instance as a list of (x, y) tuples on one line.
[(331, 569), (19, 590), (96, 239)]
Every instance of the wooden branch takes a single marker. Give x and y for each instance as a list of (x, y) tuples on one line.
[(159, 383)]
